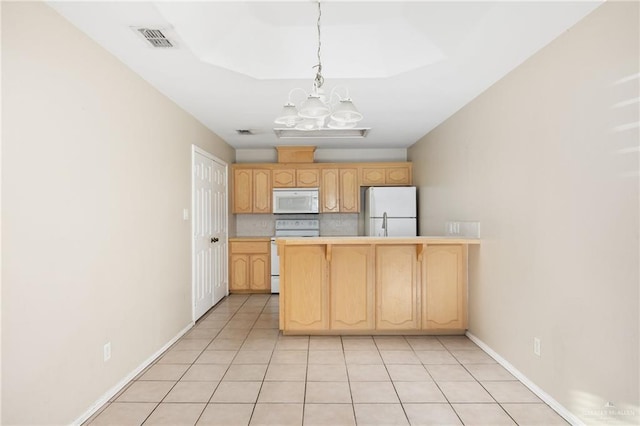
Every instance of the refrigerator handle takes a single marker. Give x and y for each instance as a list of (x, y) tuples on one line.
[(384, 224)]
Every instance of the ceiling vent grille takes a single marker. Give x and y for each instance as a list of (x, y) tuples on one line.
[(156, 38), (244, 132)]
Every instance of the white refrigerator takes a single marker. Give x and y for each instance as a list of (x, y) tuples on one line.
[(390, 211)]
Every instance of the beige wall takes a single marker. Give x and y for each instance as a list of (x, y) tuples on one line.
[(95, 175), (547, 161)]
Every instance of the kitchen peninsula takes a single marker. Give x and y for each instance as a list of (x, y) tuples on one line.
[(370, 285)]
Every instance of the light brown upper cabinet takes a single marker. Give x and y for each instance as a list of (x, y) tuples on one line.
[(339, 191), (284, 178), (251, 190), (296, 178), (330, 191), (307, 178), (379, 174), (349, 191), (339, 183)]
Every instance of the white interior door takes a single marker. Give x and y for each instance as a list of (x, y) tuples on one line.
[(209, 226), (219, 233)]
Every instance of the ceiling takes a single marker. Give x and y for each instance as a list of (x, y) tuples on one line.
[(408, 66)]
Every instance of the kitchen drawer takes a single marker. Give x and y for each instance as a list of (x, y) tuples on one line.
[(250, 247)]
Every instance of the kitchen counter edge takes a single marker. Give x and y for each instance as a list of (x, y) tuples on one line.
[(290, 241)]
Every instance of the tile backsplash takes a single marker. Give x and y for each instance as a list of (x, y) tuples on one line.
[(255, 225), (263, 225), (339, 224)]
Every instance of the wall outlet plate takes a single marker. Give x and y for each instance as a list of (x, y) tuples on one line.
[(536, 346), (106, 350)]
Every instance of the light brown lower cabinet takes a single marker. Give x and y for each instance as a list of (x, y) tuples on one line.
[(351, 285), (444, 301), (250, 267), (305, 301), (373, 288), (397, 301)]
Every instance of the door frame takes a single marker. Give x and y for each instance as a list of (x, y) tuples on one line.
[(196, 149)]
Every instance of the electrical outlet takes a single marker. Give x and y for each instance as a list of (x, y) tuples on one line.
[(536, 346), (107, 351)]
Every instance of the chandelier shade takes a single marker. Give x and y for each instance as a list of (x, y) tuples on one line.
[(346, 111), (313, 107), (288, 116)]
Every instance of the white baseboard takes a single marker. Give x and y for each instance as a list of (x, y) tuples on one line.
[(122, 383), (555, 405)]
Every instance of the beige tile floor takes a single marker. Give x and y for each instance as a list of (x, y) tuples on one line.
[(235, 368)]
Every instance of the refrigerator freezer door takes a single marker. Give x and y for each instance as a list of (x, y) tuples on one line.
[(396, 227), (395, 201)]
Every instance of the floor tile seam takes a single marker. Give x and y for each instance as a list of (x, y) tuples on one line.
[(353, 406), (500, 403), (150, 413), (245, 338), (395, 389), (449, 402), (304, 393)]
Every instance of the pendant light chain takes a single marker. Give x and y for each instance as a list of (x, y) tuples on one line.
[(319, 80)]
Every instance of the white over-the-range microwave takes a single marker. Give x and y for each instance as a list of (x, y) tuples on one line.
[(295, 200)]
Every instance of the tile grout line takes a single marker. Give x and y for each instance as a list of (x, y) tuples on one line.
[(220, 381), (200, 320), (255, 404)]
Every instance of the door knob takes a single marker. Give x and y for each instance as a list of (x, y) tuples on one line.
[(214, 240)]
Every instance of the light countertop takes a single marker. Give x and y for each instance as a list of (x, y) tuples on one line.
[(376, 240)]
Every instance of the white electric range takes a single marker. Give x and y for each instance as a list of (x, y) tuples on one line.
[(289, 228)]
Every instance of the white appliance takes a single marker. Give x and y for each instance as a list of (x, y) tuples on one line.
[(390, 211), (289, 228), (295, 200)]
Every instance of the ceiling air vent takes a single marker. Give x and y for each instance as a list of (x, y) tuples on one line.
[(244, 132), (155, 37)]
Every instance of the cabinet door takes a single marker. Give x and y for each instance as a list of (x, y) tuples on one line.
[(329, 191), (397, 294), (307, 178), (239, 272), (260, 272), (242, 191), (445, 294), (351, 288), (372, 176), (262, 191), (284, 178), (349, 191), (305, 288), (398, 175)]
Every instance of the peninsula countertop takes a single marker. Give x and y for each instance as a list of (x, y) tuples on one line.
[(291, 241)]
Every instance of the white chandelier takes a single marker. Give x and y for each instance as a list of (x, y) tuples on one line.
[(319, 112)]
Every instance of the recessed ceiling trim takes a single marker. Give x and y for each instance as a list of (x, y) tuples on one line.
[(285, 133)]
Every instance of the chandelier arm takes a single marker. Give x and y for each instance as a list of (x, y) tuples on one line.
[(295, 89), (334, 91)]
